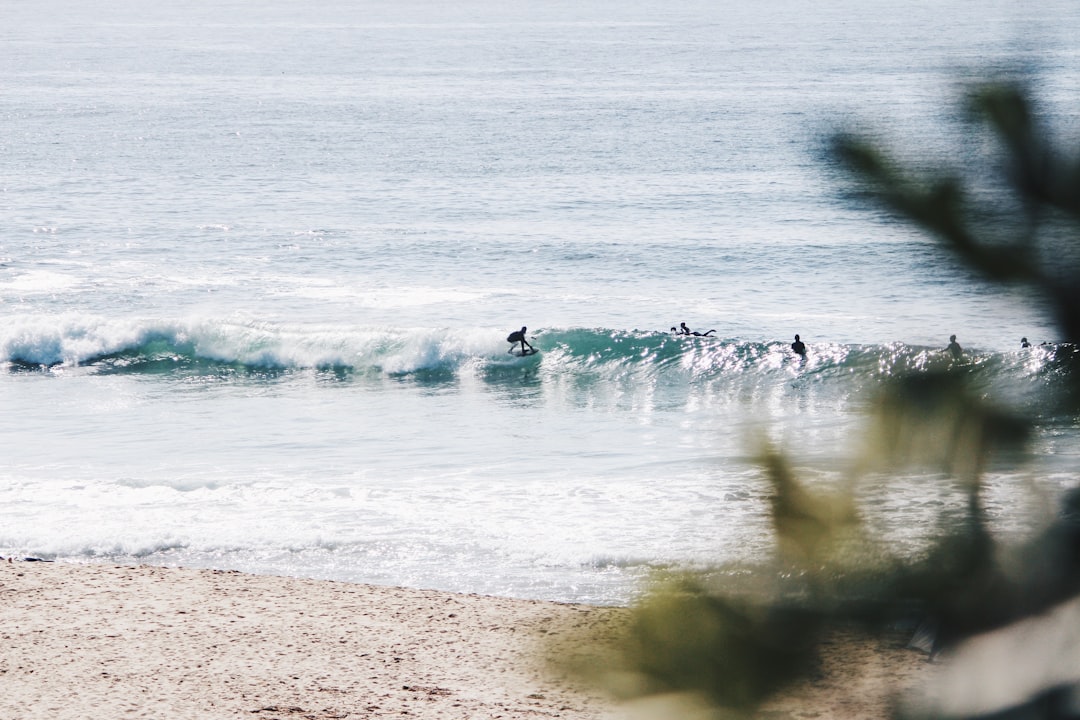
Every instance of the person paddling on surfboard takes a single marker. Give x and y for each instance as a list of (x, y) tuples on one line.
[(687, 331), (518, 336)]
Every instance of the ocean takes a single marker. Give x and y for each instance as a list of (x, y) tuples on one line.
[(259, 260)]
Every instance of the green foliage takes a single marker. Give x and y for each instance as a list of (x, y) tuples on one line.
[(731, 639), (810, 527), (734, 651), (933, 419)]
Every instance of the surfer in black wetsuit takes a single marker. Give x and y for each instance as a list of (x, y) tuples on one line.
[(687, 331), (518, 336), (1024, 343), (799, 347), (954, 347)]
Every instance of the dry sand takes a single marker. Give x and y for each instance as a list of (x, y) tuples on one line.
[(104, 642)]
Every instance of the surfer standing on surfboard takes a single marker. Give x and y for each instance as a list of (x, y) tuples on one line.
[(518, 336)]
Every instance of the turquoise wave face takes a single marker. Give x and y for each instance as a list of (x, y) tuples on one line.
[(591, 358)]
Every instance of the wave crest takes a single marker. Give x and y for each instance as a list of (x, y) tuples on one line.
[(598, 355)]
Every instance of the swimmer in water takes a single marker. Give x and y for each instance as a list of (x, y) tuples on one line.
[(798, 347)]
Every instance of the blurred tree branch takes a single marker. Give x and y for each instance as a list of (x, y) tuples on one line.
[(730, 645), (1044, 181)]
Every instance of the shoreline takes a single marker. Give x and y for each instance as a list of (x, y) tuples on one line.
[(112, 641)]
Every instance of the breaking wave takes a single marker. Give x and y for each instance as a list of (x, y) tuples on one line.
[(593, 355)]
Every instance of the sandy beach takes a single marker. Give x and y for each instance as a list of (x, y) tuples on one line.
[(105, 641)]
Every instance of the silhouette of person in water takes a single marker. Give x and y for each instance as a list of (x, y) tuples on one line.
[(518, 336), (687, 331), (954, 347), (799, 347), (1024, 343)]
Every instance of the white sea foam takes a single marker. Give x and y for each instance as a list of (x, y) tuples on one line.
[(37, 282)]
